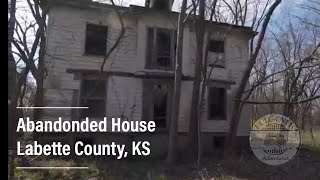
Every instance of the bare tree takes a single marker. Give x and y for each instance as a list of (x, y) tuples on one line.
[(311, 9), (32, 60), (205, 75), (199, 24), (33, 55), (235, 12), (231, 140), (177, 87), (291, 74)]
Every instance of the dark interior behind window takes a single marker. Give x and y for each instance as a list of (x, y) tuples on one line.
[(96, 39), (160, 93), (156, 102), (164, 47), (161, 45), (216, 46), (93, 95), (217, 103)]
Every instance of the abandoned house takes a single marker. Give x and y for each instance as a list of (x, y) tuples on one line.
[(137, 81)]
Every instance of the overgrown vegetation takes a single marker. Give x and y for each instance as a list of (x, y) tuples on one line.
[(305, 166), (244, 166), (311, 141)]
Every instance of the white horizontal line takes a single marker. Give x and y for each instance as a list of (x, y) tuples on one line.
[(65, 167), (52, 107)]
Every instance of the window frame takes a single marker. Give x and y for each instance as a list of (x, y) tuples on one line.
[(151, 63), (82, 97), (147, 105), (216, 40), (225, 99), (85, 51), (219, 63)]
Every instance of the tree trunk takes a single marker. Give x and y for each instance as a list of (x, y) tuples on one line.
[(38, 102), (231, 140), (202, 94), (177, 89), (193, 126), (13, 114), (204, 80), (12, 137), (12, 100)]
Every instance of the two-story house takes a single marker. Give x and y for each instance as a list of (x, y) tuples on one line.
[(137, 81)]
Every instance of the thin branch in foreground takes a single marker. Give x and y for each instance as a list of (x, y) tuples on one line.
[(121, 34)]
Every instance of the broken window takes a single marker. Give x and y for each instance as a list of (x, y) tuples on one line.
[(161, 45), (160, 104), (96, 39), (156, 101), (217, 99), (93, 95)]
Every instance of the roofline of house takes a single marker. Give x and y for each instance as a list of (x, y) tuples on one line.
[(138, 10)]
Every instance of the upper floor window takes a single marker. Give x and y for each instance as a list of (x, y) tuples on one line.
[(216, 46), (93, 95), (96, 39), (216, 53), (217, 103), (161, 45)]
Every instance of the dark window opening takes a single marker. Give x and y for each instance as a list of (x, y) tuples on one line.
[(96, 39), (160, 105), (161, 47), (93, 93), (164, 48), (216, 46), (156, 102), (218, 142), (217, 103)]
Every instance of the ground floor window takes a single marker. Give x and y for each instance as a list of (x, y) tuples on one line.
[(156, 102), (217, 103), (93, 94)]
